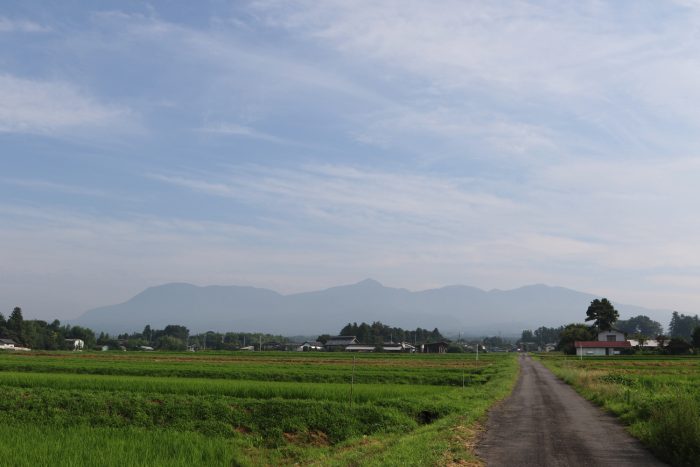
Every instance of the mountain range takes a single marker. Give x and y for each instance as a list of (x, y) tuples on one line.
[(452, 309)]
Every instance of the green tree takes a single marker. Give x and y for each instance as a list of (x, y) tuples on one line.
[(323, 338), (85, 334), (170, 343), (681, 326), (661, 339), (678, 346), (572, 333), (527, 336), (15, 325), (695, 339), (641, 324), (602, 313), (545, 335), (177, 331)]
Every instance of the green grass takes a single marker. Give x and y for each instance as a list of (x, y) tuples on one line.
[(245, 409), (658, 397)]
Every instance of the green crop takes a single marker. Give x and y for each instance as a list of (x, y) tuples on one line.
[(239, 409), (656, 396)]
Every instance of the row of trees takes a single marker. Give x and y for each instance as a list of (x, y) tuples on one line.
[(378, 333), (177, 337), (38, 334)]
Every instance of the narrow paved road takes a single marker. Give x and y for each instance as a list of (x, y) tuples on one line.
[(546, 423)]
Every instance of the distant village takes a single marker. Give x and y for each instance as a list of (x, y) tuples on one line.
[(606, 336)]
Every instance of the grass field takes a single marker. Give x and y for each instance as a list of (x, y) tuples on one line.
[(245, 408), (658, 397)]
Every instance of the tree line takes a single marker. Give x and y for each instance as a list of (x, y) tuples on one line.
[(684, 330), (378, 333), (38, 334), (176, 337)]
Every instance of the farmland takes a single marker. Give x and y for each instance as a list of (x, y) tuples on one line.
[(245, 408), (656, 396)]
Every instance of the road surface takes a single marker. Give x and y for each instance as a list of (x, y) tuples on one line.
[(546, 423)]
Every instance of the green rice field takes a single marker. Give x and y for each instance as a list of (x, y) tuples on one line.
[(658, 397), (281, 408)]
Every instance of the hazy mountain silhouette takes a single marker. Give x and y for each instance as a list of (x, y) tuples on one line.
[(456, 308)]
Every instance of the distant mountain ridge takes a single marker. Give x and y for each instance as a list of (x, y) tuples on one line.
[(455, 308)]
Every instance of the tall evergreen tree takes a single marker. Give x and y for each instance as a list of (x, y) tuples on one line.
[(602, 313), (14, 323), (681, 326)]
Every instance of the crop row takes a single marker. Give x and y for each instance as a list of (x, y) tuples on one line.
[(267, 419), (231, 388), (260, 371), (260, 407)]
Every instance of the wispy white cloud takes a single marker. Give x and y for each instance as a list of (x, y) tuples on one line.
[(361, 200), (46, 107), (234, 129), (44, 185), (21, 25), (536, 65)]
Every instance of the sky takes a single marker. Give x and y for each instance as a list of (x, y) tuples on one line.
[(302, 145)]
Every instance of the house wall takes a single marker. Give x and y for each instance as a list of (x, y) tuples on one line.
[(611, 336), (590, 351)]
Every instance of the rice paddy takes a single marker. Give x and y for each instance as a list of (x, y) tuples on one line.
[(271, 408)]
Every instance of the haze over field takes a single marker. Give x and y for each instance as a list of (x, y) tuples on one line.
[(455, 309), (295, 146)]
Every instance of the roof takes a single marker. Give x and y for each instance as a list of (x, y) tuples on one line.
[(397, 346), (341, 340), (360, 348), (603, 344), (7, 342)]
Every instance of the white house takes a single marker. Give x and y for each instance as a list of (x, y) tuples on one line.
[(309, 346), (608, 343), (7, 344), (611, 336)]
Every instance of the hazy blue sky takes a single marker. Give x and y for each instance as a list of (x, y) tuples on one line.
[(299, 145)]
